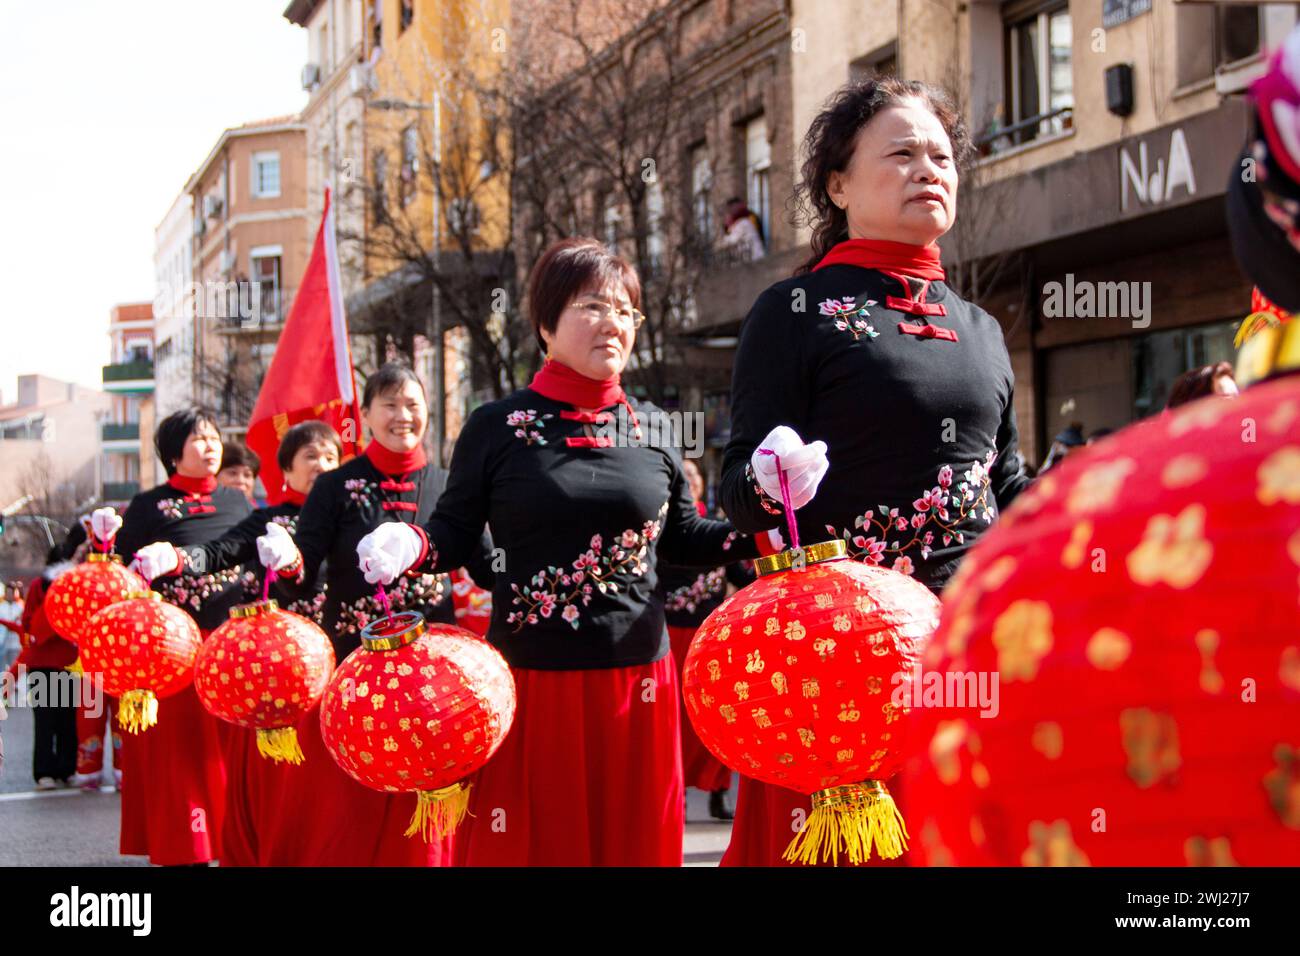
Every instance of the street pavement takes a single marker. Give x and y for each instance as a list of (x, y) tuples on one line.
[(79, 828)]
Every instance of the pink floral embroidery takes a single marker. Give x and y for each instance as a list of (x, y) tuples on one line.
[(406, 593), (596, 570), (191, 591), (690, 596), (171, 507), (359, 489), (526, 425), (933, 511), (849, 317)]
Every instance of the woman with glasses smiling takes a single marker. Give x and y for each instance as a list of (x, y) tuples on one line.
[(591, 772)]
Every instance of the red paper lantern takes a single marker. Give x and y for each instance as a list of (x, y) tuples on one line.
[(418, 707), (1140, 606), (264, 669), (144, 649), (791, 682), (78, 593)]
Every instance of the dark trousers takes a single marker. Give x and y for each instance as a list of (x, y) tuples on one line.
[(54, 751)]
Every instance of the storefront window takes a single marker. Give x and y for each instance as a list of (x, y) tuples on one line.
[(1159, 358)]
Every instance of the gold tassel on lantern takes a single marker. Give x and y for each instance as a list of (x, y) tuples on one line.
[(279, 743), (75, 667), (137, 710), (859, 816), (439, 811)]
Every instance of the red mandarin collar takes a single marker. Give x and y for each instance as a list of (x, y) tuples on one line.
[(193, 486), (921, 262), (562, 384), (394, 463), (291, 497)]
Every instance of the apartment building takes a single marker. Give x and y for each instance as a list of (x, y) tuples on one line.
[(128, 463), (173, 308)]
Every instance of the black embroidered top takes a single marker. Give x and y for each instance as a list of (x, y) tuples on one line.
[(691, 595), (168, 514), (582, 529), (910, 388), (343, 507), (237, 549)]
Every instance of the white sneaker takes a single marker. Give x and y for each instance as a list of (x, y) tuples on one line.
[(47, 783)]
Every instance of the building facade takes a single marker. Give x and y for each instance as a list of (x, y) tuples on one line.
[(128, 464), (251, 243), (173, 307)]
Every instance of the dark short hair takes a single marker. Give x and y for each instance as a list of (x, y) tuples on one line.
[(1196, 383), (389, 377), (565, 269), (829, 144), (301, 435), (234, 454), (175, 430)]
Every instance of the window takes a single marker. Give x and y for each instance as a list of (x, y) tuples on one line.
[(379, 185), (410, 161), (1039, 82), (758, 184), (376, 24), (882, 62), (408, 14), (266, 175), (265, 269), (610, 219), (1236, 33), (654, 217), (701, 193)]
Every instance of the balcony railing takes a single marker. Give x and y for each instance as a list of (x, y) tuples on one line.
[(128, 371), (112, 431), (121, 490), (1001, 138)]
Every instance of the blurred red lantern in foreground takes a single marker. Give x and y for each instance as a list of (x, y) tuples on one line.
[(263, 670), (418, 707), (78, 593), (1141, 607), (144, 650), (791, 682)]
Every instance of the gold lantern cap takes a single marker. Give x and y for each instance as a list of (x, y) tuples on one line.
[(253, 609), (147, 595), (104, 557), (391, 632), (812, 554)]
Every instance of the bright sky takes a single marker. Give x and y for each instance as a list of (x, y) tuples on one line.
[(107, 109)]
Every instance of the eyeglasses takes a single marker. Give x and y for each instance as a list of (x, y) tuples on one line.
[(597, 309)]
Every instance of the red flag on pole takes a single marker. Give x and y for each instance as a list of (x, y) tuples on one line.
[(311, 373)]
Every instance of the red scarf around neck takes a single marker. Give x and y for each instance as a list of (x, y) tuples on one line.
[(194, 486), (562, 384), (291, 497), (921, 262), (396, 463)]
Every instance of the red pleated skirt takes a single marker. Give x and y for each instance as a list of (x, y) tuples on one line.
[(316, 815), (700, 768), (174, 795), (767, 819), (253, 788), (589, 775)]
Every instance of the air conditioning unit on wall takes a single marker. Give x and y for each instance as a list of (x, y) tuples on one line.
[(310, 76)]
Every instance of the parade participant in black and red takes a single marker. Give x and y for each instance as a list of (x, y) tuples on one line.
[(239, 468), (45, 657), (584, 501), (690, 595), (173, 794), (308, 450), (902, 388), (325, 817)]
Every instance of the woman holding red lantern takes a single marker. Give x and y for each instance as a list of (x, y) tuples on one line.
[(584, 503), (903, 389), (173, 797), (308, 450), (324, 817)]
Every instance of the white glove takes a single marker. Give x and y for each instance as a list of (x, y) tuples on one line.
[(276, 549), (105, 523), (804, 465), (388, 551), (155, 559)]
